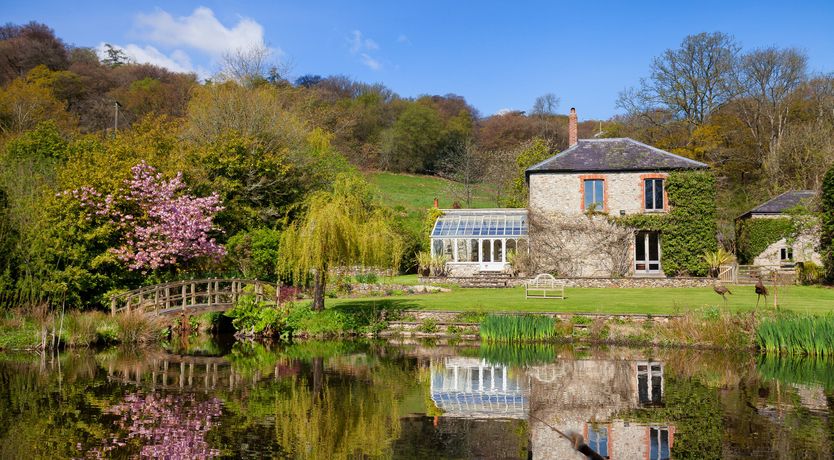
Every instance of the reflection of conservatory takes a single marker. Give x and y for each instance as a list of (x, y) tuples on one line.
[(469, 387), (479, 239)]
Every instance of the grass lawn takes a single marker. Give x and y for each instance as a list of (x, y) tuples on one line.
[(414, 194), (807, 299)]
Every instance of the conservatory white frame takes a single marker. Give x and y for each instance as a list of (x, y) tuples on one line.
[(480, 236)]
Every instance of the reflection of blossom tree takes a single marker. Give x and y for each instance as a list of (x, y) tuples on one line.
[(172, 426)]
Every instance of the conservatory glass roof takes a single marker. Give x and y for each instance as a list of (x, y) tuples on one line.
[(472, 223)]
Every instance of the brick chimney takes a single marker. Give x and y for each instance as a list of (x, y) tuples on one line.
[(572, 136), (436, 204)]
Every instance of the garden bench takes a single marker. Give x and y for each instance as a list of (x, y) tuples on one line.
[(544, 286)]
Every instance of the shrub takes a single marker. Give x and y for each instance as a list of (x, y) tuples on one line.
[(253, 253), (429, 325), (715, 259), (81, 328), (136, 327), (827, 225), (424, 263), (808, 272), (367, 278), (259, 318)]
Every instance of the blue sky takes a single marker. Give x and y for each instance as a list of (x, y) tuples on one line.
[(498, 55)]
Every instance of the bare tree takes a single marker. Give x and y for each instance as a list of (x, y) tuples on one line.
[(464, 167), (690, 81), (767, 81), (250, 66), (544, 108)]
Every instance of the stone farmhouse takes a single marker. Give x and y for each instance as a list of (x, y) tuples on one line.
[(781, 250), (568, 227)]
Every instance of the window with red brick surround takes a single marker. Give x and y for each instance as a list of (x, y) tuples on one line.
[(643, 178), (582, 179)]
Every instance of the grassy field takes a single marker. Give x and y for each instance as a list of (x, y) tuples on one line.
[(808, 299), (414, 194)]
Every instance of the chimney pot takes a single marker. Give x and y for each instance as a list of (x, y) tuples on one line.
[(436, 204), (572, 135)]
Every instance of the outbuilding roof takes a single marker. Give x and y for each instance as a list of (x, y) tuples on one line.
[(612, 155), (781, 203)]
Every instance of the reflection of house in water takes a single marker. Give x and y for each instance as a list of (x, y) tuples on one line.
[(585, 396), (469, 387)]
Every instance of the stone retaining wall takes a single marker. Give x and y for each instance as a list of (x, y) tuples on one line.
[(677, 282)]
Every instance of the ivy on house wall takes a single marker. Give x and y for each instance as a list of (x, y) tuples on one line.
[(753, 235), (827, 225), (689, 229)]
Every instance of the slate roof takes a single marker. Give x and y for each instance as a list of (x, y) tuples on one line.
[(613, 155), (781, 203)]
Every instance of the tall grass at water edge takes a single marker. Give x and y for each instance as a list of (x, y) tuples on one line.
[(517, 328), (797, 334)]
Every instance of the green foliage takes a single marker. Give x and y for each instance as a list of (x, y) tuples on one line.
[(414, 140), (792, 370), (755, 235), (808, 272), (254, 254), (342, 228), (715, 259), (258, 318), (827, 225), (695, 411), (535, 151), (303, 321), (366, 278), (517, 328), (428, 326), (797, 334), (689, 229)]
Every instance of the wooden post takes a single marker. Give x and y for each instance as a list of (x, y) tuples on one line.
[(112, 306), (193, 293), (167, 297), (129, 299), (278, 294), (208, 293), (217, 298)]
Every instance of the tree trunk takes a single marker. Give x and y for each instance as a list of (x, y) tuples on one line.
[(320, 278)]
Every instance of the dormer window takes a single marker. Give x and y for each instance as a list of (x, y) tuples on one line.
[(653, 195), (786, 254)]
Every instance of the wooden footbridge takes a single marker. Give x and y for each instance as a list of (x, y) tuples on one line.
[(192, 296)]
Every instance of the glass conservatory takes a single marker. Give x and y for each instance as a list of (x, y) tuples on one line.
[(482, 237)]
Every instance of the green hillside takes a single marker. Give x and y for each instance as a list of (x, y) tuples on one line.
[(413, 194)]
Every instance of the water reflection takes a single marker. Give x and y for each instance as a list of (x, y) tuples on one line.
[(470, 387), (411, 400)]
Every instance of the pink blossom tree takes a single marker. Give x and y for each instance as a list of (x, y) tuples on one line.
[(160, 225)]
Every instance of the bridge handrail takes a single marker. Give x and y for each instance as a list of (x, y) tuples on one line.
[(183, 294)]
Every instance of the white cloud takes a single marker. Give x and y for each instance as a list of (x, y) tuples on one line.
[(504, 111), (357, 44), (200, 31), (178, 61), (403, 39), (370, 62)]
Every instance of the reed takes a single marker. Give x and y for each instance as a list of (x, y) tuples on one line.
[(797, 334), (518, 355), (517, 328), (793, 370)]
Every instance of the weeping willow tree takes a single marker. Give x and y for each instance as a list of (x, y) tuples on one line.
[(342, 228)]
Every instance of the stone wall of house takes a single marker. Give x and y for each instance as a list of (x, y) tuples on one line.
[(580, 246), (601, 282), (804, 249), (461, 270), (561, 192)]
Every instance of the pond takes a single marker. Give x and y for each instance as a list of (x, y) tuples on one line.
[(204, 397)]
